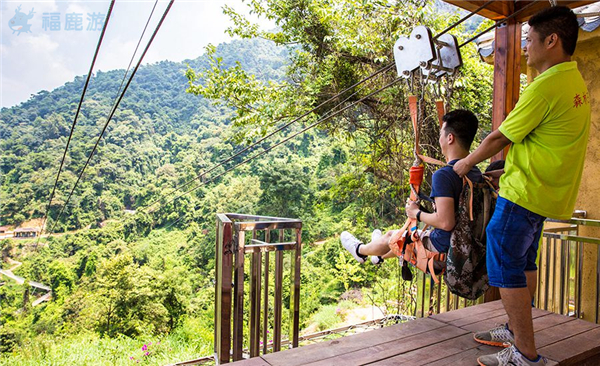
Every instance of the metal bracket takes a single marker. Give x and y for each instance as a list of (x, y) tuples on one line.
[(437, 57), (414, 52), (448, 59)]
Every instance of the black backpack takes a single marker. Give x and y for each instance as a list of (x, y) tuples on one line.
[(466, 272)]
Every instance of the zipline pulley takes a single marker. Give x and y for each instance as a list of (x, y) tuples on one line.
[(428, 60)]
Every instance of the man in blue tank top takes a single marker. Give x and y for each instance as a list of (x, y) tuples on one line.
[(456, 137)]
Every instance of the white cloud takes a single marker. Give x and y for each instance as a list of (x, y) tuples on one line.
[(46, 59)]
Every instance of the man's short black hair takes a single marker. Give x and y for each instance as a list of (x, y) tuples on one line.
[(560, 20), (463, 125)]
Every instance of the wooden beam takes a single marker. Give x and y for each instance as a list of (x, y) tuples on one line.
[(500, 9), (495, 10), (540, 5), (507, 71)]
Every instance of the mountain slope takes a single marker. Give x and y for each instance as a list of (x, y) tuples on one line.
[(158, 134)]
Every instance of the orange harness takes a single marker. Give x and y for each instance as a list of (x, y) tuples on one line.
[(413, 250)]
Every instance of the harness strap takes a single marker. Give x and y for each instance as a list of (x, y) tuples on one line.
[(432, 271), (433, 161), (413, 106), (397, 242), (441, 110)]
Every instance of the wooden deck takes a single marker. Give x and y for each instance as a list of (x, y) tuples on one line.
[(445, 339)]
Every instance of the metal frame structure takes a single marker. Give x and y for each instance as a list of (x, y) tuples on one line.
[(560, 278), (232, 245)]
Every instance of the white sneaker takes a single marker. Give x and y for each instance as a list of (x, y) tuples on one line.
[(376, 260), (376, 234), (509, 356), (351, 244)]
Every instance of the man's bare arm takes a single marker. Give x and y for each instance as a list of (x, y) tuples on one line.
[(490, 146), (443, 218)]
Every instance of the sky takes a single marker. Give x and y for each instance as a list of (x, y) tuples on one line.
[(49, 54)]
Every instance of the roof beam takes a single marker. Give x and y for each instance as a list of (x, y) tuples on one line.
[(501, 9)]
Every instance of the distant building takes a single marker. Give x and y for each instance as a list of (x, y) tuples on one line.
[(26, 232)]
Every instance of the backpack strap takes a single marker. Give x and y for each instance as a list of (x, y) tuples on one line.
[(465, 182)]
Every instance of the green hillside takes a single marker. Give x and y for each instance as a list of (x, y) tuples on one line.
[(159, 136)]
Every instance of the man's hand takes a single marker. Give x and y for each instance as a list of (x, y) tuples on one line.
[(492, 144), (462, 167), (411, 209)]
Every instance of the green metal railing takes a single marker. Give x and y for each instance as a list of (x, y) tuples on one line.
[(566, 263)]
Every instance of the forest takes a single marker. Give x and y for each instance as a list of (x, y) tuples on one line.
[(131, 258)]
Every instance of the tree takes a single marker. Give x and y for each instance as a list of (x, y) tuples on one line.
[(331, 46)]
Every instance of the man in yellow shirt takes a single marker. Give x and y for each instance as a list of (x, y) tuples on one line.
[(549, 130)]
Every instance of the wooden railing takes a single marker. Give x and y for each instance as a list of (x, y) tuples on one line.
[(435, 299), (568, 275), (267, 234), (565, 274)]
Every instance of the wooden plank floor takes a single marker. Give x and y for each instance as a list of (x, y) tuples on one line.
[(445, 339)]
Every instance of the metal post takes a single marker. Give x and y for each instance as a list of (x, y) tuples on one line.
[(439, 296), (569, 277), (266, 296), (554, 259), (563, 258), (238, 310), (447, 306), (579, 277), (296, 289), (255, 300), (547, 270), (420, 294), (278, 296)]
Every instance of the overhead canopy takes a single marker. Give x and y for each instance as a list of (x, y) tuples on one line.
[(501, 9)]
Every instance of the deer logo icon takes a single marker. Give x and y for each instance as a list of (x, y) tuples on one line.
[(18, 23)]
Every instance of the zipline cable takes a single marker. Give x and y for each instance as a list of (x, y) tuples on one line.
[(498, 23), (463, 19), (116, 105), (278, 130), (87, 81), (251, 146), (287, 139), (135, 52)]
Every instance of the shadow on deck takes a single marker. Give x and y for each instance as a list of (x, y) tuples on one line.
[(446, 339)]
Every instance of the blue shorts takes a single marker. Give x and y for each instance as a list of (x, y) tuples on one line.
[(513, 236)]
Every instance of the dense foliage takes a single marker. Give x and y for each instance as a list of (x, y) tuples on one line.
[(124, 274)]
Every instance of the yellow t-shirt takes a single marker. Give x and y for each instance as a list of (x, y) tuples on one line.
[(549, 129)]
